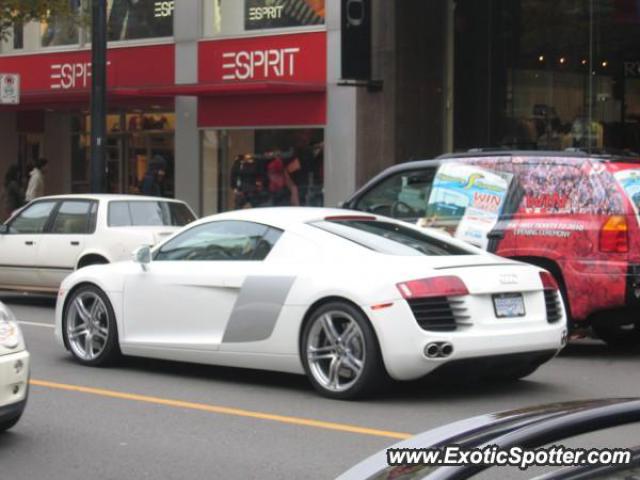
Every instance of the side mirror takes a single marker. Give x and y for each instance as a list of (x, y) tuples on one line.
[(142, 255), (4, 229)]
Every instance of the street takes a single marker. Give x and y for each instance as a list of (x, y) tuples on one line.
[(156, 419)]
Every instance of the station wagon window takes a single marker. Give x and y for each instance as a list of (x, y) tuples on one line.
[(75, 217), (220, 241), (390, 238), (403, 195), (33, 219), (148, 214)]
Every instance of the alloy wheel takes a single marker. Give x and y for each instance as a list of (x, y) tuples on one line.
[(87, 325), (336, 350)]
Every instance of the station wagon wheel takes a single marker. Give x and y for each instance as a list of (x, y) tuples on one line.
[(89, 327), (340, 352)]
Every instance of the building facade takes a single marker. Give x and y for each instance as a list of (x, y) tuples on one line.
[(223, 104), (230, 104)]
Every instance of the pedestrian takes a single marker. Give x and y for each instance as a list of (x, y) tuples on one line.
[(12, 196), (153, 183), (35, 188)]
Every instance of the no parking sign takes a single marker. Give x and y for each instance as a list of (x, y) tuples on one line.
[(9, 88)]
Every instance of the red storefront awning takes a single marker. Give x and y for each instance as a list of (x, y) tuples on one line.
[(275, 80)]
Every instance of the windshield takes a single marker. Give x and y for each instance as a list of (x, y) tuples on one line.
[(390, 238)]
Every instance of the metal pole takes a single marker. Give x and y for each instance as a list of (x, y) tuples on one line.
[(98, 94)]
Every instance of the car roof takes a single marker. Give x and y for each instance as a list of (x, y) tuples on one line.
[(578, 155), (284, 217), (568, 155), (532, 426), (107, 197)]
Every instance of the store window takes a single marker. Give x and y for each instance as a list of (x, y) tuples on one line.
[(17, 36), (140, 153), (259, 168), (61, 29), (138, 19), (533, 74)]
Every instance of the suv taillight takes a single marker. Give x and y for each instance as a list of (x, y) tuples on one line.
[(614, 235), (448, 286)]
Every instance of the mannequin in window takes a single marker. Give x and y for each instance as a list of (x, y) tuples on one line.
[(585, 133), (280, 167), (248, 182)]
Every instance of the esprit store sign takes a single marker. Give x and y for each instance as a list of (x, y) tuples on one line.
[(66, 76), (249, 64), (163, 9), (291, 58), (71, 71)]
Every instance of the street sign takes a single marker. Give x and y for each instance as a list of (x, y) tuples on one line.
[(9, 89)]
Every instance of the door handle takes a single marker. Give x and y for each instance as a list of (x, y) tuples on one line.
[(29, 243), (75, 244)]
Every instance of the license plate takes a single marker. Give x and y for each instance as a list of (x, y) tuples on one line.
[(508, 305)]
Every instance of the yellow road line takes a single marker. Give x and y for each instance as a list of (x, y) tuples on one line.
[(305, 422)]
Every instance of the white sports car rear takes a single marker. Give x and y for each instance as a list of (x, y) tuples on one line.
[(346, 298)]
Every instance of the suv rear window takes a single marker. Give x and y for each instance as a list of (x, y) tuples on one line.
[(390, 238), (148, 214)]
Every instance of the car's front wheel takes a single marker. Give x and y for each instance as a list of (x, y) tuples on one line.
[(340, 352), (89, 327)]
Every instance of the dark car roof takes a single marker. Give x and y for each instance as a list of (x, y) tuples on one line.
[(577, 155), (527, 427)]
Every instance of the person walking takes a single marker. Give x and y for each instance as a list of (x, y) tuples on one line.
[(35, 187), (12, 196)]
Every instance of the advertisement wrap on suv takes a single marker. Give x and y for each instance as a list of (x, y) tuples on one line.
[(577, 216)]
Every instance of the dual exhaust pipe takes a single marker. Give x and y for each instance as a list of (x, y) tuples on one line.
[(438, 350)]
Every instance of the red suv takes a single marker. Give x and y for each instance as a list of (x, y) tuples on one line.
[(577, 215)]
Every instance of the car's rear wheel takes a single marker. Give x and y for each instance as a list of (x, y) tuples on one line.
[(89, 327), (618, 335), (340, 352)]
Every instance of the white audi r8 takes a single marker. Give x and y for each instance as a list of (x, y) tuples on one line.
[(349, 299)]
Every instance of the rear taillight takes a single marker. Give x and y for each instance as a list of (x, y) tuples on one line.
[(548, 281), (614, 235), (449, 286)]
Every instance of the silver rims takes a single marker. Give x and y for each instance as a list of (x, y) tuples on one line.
[(87, 325), (336, 350)]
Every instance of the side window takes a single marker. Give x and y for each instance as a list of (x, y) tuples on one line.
[(467, 200), (402, 196), (33, 219), (266, 243), (74, 217), (119, 215), (180, 214), (222, 240), (149, 214)]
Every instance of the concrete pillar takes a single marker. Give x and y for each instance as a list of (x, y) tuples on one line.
[(187, 28), (341, 131)]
